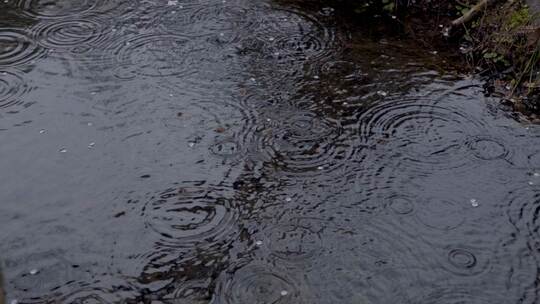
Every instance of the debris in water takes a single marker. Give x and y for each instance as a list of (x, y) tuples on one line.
[(536, 174), (41, 131), (258, 243), (191, 144), (288, 199), (382, 93), (316, 77), (90, 124), (63, 150), (531, 183), (284, 293), (320, 167), (14, 301), (172, 2), (474, 202), (271, 39), (34, 271), (91, 145)]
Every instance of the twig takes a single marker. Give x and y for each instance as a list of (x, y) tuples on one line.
[(472, 12)]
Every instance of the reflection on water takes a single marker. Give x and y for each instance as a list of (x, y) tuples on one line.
[(208, 151)]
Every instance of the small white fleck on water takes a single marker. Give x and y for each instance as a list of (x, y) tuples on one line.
[(63, 150), (531, 183), (284, 293), (41, 131), (382, 93), (33, 271), (536, 174), (474, 202), (258, 243), (191, 144), (271, 39), (320, 167), (91, 145), (14, 301), (288, 199)]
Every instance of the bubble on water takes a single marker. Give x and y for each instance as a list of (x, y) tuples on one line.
[(474, 202), (536, 174)]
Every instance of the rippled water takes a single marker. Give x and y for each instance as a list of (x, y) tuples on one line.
[(204, 151)]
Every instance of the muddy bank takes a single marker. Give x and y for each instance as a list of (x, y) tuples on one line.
[(497, 39)]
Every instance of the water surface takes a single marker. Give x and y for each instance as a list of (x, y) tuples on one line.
[(240, 151)]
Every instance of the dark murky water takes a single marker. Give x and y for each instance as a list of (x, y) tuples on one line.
[(251, 152)]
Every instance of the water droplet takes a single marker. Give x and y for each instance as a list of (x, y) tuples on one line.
[(284, 292), (34, 271), (63, 150), (474, 202)]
